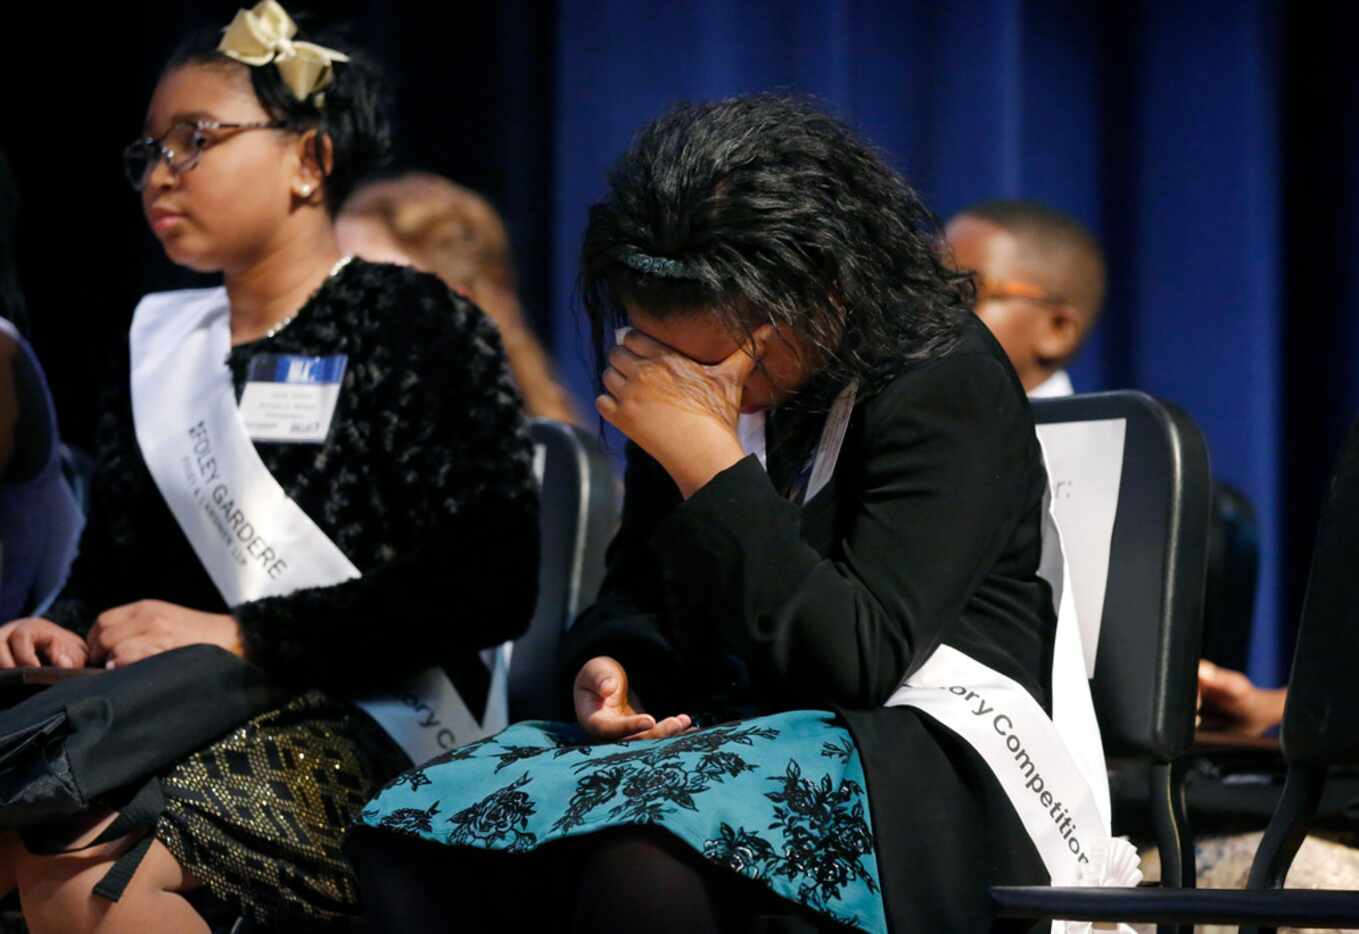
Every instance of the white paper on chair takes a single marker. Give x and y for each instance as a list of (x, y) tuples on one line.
[(1085, 468)]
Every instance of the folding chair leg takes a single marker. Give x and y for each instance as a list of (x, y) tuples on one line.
[(1171, 818), (1174, 841), (1287, 829)]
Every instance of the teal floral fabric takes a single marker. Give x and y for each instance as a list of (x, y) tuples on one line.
[(779, 799)]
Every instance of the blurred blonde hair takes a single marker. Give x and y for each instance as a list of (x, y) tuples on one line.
[(443, 227), (455, 233)]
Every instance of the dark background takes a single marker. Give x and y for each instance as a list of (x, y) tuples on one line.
[(470, 100), (1212, 147)]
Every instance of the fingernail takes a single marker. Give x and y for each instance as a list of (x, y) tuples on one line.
[(109, 664), (608, 684), (63, 660)]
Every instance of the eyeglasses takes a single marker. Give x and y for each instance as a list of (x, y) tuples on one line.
[(999, 290), (180, 148)]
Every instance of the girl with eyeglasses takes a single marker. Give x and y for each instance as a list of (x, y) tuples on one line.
[(320, 466)]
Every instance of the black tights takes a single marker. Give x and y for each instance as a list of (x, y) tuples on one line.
[(622, 880)]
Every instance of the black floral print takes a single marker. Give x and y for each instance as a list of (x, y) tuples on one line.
[(741, 851), (650, 792), (499, 817), (409, 820), (709, 741), (591, 791), (842, 749), (459, 754), (825, 839), (653, 779), (513, 754), (415, 778), (825, 834), (809, 839)]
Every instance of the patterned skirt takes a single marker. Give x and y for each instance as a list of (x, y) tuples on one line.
[(259, 816), (778, 799)]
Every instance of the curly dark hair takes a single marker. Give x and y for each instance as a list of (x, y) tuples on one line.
[(353, 113), (766, 209)]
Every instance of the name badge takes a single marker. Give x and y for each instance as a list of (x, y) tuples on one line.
[(290, 398)]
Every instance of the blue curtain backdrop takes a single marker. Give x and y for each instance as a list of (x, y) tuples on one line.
[(1159, 126), (1213, 147)]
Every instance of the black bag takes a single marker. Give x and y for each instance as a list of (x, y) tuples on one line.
[(106, 737)]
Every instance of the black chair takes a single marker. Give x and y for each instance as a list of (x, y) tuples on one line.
[(581, 502), (1233, 577), (1145, 677), (1320, 730)]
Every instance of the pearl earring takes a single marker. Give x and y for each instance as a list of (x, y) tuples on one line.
[(305, 191)]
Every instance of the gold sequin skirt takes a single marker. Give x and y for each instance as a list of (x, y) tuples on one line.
[(259, 816)]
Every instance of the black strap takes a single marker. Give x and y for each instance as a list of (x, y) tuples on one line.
[(138, 815), (141, 813), (120, 873)]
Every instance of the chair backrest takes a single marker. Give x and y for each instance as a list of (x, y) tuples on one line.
[(1321, 717), (581, 502), (1233, 577), (1149, 598)]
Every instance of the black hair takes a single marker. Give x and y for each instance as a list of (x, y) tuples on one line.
[(766, 209), (352, 110), (1050, 233), (1018, 214), (12, 304)]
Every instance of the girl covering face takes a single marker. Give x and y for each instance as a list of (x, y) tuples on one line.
[(307, 467), (833, 509)]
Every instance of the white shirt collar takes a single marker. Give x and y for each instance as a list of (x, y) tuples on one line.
[(1058, 384)]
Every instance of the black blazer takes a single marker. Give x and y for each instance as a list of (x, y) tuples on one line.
[(740, 601)]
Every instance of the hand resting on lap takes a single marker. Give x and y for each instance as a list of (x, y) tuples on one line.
[(605, 708), (120, 636)]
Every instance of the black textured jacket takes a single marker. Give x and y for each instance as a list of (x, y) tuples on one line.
[(738, 601), (424, 482)]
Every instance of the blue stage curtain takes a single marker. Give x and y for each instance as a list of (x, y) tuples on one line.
[(1213, 147), (1158, 125)]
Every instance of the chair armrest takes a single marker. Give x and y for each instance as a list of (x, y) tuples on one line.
[(1215, 743), (1274, 908)]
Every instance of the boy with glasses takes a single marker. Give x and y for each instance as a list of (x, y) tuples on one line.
[(1040, 284)]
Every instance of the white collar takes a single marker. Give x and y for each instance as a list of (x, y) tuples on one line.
[(1058, 384)]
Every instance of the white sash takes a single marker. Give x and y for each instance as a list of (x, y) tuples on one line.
[(750, 430), (252, 539), (1051, 769)]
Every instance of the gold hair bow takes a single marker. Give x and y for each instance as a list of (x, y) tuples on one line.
[(264, 34)]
